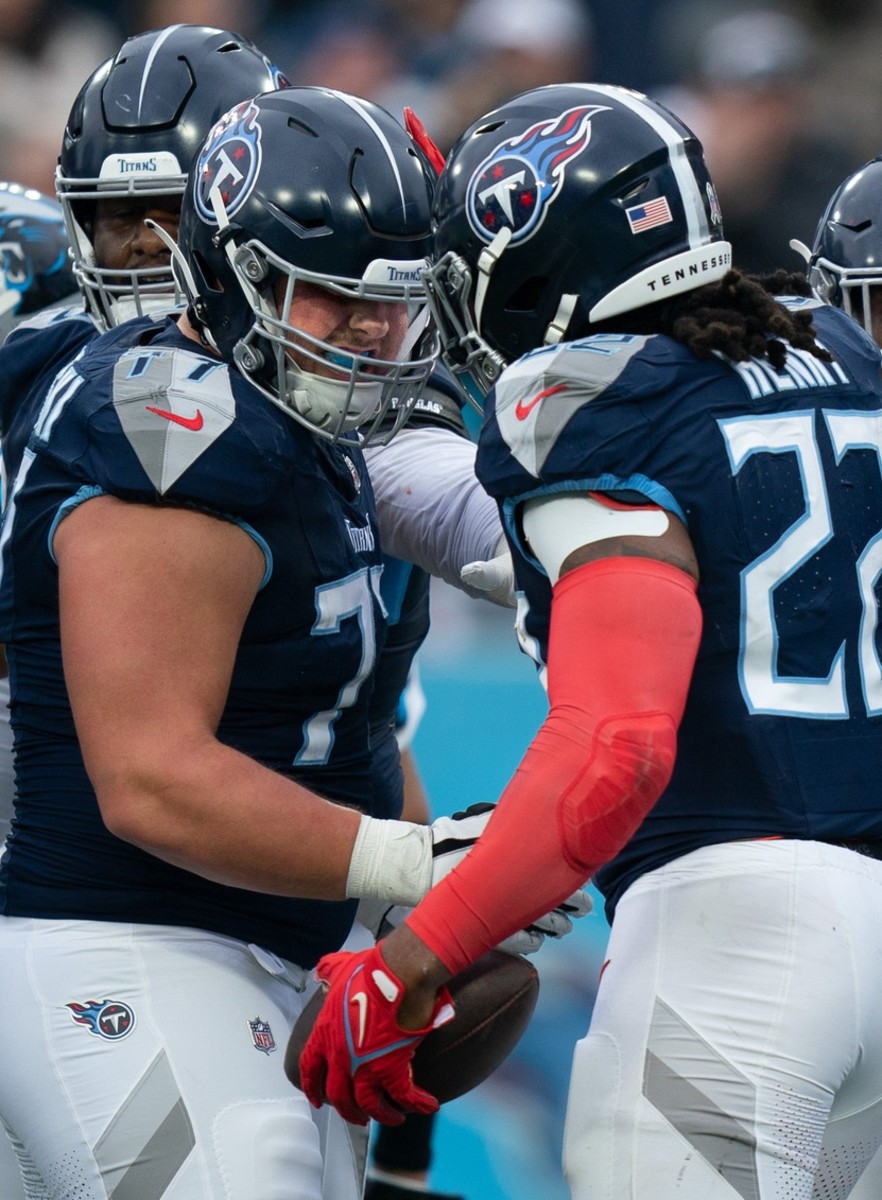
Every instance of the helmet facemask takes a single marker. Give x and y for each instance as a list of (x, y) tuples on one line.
[(849, 288), (114, 295), (331, 389), (452, 294)]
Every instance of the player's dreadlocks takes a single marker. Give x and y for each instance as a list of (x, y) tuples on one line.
[(738, 316)]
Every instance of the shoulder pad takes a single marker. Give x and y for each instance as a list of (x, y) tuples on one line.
[(537, 396), (172, 404), (801, 303), (53, 316)]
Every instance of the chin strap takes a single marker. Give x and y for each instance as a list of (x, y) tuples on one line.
[(557, 329), (487, 260)]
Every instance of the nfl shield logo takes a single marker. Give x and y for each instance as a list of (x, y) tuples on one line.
[(262, 1035)]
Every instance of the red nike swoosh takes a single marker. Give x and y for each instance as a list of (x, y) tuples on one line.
[(188, 422), (523, 409)]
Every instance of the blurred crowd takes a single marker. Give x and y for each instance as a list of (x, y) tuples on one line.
[(786, 97)]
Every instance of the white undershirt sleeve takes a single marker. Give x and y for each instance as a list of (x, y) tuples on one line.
[(432, 510)]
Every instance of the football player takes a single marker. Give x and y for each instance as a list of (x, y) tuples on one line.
[(35, 265), (131, 133), (35, 272), (844, 270), (688, 472), (845, 261), (190, 600)]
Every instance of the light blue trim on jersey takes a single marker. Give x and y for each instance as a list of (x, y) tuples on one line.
[(84, 494), (89, 493), (654, 492)]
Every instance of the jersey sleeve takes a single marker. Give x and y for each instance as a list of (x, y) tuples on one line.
[(431, 508)]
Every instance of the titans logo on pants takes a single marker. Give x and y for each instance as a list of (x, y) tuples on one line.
[(230, 162), (109, 1019), (517, 181)]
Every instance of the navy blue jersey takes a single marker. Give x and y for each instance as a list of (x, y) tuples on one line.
[(30, 358), (777, 477), (160, 422)]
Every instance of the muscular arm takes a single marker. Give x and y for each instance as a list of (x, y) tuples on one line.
[(432, 510), (625, 627), (152, 604)]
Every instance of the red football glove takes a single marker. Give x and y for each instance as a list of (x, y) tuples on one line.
[(357, 1056)]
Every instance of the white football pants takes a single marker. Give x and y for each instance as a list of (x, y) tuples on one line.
[(146, 1063), (735, 1049)]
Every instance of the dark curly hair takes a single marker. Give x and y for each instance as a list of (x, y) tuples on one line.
[(738, 317)]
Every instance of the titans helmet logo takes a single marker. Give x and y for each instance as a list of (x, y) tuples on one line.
[(230, 161), (517, 181)]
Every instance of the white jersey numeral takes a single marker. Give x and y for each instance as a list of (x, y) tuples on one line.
[(764, 690), (353, 596)]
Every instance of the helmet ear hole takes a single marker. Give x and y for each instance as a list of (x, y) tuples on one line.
[(206, 278), (528, 295)]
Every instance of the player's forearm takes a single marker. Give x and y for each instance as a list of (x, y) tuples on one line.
[(624, 638), (225, 817)]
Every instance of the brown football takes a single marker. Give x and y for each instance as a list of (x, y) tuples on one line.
[(494, 1000)]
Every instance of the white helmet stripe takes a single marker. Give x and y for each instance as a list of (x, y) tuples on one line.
[(369, 120), (154, 50), (693, 201)]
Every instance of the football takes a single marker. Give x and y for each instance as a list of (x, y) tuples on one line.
[(494, 1000)]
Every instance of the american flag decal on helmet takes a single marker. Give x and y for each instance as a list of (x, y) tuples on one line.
[(517, 181), (648, 215)]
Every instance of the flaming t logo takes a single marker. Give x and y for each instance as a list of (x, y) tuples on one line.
[(514, 184), (230, 161)]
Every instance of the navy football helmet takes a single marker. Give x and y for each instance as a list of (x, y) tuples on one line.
[(309, 186), (133, 130), (846, 258), (566, 206), (35, 264)]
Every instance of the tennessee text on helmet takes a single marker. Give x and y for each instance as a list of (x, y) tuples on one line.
[(566, 206)]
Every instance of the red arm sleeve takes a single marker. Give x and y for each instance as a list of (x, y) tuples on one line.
[(623, 639)]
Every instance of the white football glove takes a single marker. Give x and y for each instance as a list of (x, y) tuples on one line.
[(451, 839), (493, 577)]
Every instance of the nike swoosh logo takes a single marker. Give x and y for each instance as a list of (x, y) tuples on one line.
[(524, 408), (193, 423), (362, 1001)]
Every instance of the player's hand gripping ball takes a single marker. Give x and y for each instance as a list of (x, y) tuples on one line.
[(493, 1001)]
